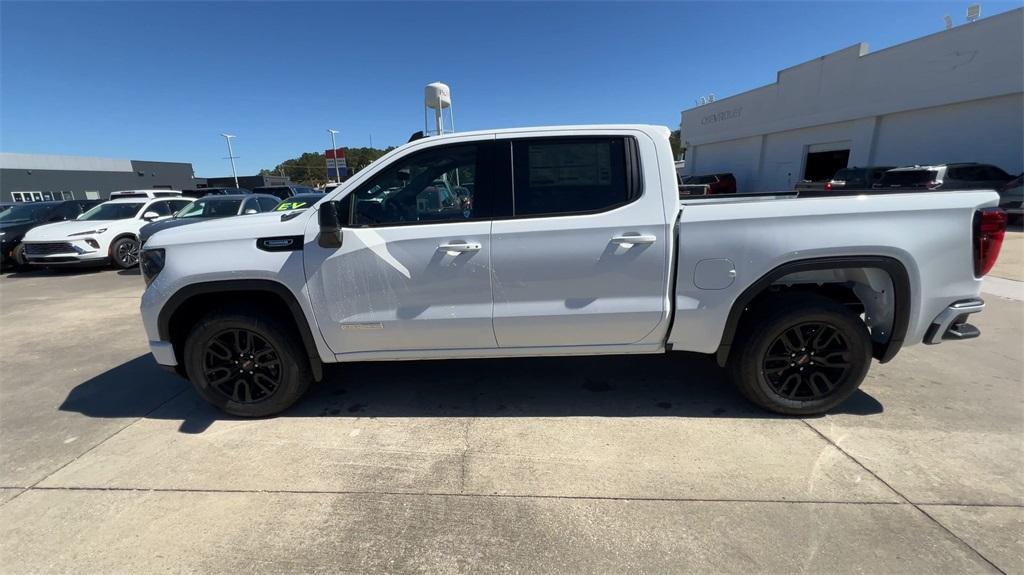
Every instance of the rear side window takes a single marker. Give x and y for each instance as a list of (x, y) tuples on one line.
[(908, 178), (571, 175), (267, 204)]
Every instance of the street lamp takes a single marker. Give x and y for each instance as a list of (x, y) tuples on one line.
[(231, 156), (334, 150)]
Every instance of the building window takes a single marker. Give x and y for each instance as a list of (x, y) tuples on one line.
[(27, 196)]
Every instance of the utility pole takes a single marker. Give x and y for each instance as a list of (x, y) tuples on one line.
[(231, 156)]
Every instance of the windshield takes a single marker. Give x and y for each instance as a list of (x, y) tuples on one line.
[(908, 178), (210, 208), (24, 213), (298, 202), (109, 211)]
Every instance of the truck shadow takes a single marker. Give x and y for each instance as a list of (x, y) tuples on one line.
[(674, 385)]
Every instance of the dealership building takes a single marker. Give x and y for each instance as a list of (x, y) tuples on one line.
[(953, 96), (37, 178)]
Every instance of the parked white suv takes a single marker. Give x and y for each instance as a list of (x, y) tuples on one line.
[(107, 233)]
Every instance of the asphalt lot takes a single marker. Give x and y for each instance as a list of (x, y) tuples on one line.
[(612, 464)]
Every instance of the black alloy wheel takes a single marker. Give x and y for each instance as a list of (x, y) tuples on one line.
[(807, 361), (800, 353), (127, 253), (242, 366)]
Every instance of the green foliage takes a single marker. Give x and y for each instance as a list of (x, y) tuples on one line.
[(311, 167), (677, 147)]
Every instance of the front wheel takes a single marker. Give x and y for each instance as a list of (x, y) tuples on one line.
[(125, 253), (18, 255), (246, 365), (802, 354)]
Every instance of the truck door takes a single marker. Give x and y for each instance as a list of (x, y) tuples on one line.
[(583, 259), (413, 271)]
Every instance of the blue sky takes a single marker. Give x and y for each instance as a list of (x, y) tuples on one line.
[(160, 81)]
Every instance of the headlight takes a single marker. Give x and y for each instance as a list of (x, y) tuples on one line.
[(96, 231), (151, 262)]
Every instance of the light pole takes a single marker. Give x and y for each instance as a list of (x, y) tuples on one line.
[(231, 156), (334, 150)]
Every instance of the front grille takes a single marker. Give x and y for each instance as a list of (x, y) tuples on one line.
[(48, 248)]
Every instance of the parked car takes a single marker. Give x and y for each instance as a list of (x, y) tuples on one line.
[(298, 202), (109, 232), (211, 207), (203, 192), (601, 258), (284, 192), (17, 219), (966, 176), (717, 183), (145, 194), (857, 178), (1011, 198)]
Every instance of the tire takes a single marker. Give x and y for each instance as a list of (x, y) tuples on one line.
[(125, 253), (815, 380), (18, 255), (213, 348)]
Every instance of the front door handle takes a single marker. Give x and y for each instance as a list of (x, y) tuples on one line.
[(628, 241), (456, 249)]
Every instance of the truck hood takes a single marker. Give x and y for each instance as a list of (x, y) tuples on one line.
[(235, 228), (149, 229), (61, 230)]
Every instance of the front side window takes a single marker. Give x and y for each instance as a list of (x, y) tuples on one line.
[(267, 204), (568, 175), (160, 208), (433, 185), (251, 204), (210, 207), (118, 211)]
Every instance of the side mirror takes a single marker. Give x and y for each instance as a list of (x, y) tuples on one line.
[(250, 211), (330, 226), (150, 216)]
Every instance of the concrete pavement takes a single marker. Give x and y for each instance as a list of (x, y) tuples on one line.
[(613, 464)]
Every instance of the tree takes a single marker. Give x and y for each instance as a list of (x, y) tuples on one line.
[(311, 167), (677, 147)]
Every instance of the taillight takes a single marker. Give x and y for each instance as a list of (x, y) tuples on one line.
[(989, 229), (828, 186)]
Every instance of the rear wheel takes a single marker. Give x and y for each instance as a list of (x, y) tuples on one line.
[(246, 365), (125, 253), (803, 354)]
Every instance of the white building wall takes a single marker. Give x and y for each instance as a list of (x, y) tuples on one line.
[(989, 130), (956, 95)]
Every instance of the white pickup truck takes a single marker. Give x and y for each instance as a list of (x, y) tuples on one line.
[(564, 241)]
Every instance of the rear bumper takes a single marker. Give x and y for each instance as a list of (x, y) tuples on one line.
[(952, 324)]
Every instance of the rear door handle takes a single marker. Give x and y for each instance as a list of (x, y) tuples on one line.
[(456, 249), (630, 241)]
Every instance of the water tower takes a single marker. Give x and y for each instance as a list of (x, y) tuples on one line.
[(437, 97)]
